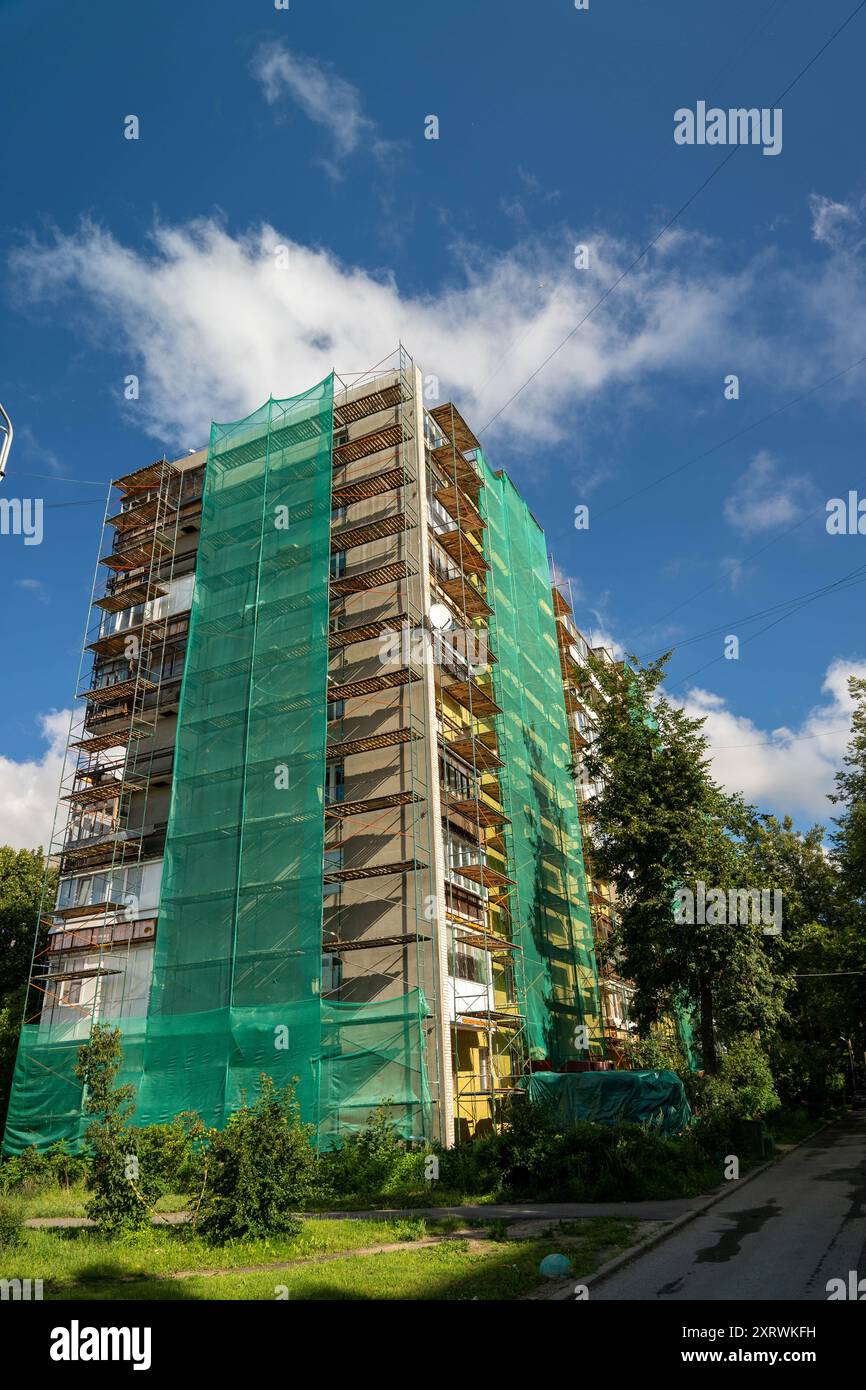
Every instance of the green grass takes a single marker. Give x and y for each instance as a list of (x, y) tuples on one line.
[(81, 1264), (792, 1126), (71, 1201)]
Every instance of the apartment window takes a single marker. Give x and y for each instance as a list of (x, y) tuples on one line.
[(129, 617), (110, 672), (332, 973), (332, 864), (442, 563), (440, 518), (125, 995), (86, 889), (172, 665), (335, 779), (433, 437), (336, 709), (458, 783), (469, 963), (462, 851), (338, 564)]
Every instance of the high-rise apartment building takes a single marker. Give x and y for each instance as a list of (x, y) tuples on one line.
[(317, 818)]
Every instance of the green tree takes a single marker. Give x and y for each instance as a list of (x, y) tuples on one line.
[(850, 837), (21, 877), (659, 822), (123, 1193)]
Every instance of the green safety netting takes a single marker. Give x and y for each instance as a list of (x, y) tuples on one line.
[(685, 1023), (653, 1098), (550, 906), (237, 967)]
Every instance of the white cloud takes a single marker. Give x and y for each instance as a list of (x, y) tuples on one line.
[(835, 224), (784, 770), (765, 497), (599, 637), (33, 586), (734, 571), (28, 790), (325, 98), (212, 324)]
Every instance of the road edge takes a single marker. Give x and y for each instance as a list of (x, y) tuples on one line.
[(565, 1293)]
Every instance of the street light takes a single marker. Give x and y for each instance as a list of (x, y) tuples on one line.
[(6, 445)]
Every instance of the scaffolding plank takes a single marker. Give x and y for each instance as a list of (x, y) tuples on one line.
[(466, 596), (401, 866), (338, 751), (484, 941), (475, 752), (104, 791), (454, 468), (338, 810), (561, 606), (372, 943), (369, 532), (386, 398), (472, 697), (479, 811), (370, 684), (365, 632), (87, 909), (150, 476), (482, 874), (130, 595), (451, 422), (120, 690), (461, 550), (370, 579), (99, 742), (368, 444), (360, 489), (461, 508), (138, 515)]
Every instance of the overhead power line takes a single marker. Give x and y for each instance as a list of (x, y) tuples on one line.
[(729, 439), (667, 226), (841, 582)]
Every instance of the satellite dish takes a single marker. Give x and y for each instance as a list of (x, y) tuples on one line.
[(440, 616)]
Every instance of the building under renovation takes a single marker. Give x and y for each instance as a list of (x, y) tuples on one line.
[(318, 816)]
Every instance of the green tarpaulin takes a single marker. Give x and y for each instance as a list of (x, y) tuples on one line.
[(655, 1098)]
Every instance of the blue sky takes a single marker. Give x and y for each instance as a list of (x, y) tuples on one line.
[(304, 128)]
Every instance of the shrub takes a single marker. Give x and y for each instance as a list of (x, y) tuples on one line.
[(742, 1090), (374, 1162), (11, 1224), (261, 1169), (123, 1193), (66, 1167), (171, 1153), (533, 1159), (745, 1067), (31, 1172)]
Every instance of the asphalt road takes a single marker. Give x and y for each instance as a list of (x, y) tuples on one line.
[(783, 1235)]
